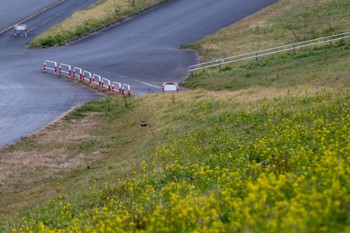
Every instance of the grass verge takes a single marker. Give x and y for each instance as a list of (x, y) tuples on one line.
[(283, 23), (80, 23)]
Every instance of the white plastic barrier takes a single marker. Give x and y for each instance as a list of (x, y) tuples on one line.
[(65, 69), (75, 69), (88, 74), (128, 88), (108, 87), (119, 90), (50, 65), (98, 79)]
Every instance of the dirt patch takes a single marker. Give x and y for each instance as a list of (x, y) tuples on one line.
[(59, 132), (31, 166)]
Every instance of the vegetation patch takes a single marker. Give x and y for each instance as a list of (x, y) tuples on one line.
[(282, 23), (102, 13), (277, 162)]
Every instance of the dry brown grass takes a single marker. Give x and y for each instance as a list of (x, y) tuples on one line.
[(58, 154), (228, 41), (27, 170), (69, 133), (253, 32)]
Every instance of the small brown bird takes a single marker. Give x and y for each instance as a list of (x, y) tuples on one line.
[(144, 123)]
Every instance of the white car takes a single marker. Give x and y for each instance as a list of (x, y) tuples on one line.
[(20, 29)]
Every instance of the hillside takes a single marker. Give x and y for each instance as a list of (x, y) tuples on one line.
[(269, 152)]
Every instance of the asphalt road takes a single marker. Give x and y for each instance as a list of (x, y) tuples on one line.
[(141, 52), (14, 10)]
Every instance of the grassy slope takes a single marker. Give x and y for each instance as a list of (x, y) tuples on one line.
[(268, 160), (272, 156), (286, 22), (81, 22)]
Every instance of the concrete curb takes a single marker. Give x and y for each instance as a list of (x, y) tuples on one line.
[(33, 16)]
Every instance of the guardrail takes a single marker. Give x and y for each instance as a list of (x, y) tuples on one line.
[(75, 69), (267, 52), (88, 74), (85, 76), (119, 87), (92, 81), (50, 65), (67, 71)]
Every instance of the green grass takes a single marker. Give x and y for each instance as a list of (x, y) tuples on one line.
[(214, 162), (280, 70), (269, 155)]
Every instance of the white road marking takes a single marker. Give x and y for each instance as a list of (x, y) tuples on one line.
[(139, 81), (148, 84)]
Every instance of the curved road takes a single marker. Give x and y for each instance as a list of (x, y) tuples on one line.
[(141, 52)]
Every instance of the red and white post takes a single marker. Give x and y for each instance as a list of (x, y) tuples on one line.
[(96, 77), (65, 69), (87, 76), (50, 65), (75, 69), (128, 88), (119, 90), (108, 82)]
